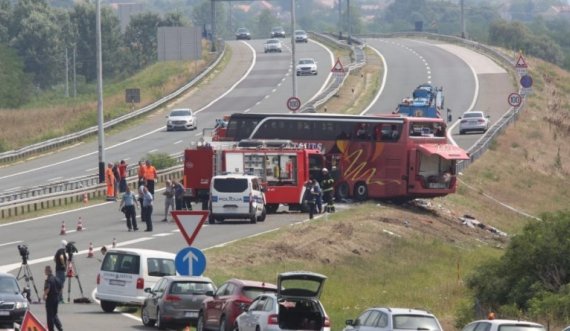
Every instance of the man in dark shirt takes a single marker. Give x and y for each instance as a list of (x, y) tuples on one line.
[(52, 289), (60, 260)]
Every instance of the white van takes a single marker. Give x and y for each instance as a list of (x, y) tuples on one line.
[(126, 272), (236, 196)]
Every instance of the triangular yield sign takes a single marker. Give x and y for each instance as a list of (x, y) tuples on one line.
[(337, 67), (521, 63), (189, 222), (31, 323)]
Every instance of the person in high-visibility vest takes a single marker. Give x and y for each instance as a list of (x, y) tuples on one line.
[(327, 186), (150, 176), (110, 181), (141, 171)]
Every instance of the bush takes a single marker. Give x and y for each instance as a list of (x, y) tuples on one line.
[(161, 160)]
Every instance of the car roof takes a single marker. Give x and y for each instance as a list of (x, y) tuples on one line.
[(142, 251), (6, 274), (235, 176), (306, 59), (506, 321), (253, 283), (474, 112), (400, 311), (189, 278), (181, 109)]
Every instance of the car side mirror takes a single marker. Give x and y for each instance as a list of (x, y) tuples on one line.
[(349, 322), (148, 290), (210, 293)]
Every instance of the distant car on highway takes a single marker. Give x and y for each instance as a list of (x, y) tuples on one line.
[(175, 300), (243, 33), (278, 32), (295, 307), (306, 66), (181, 119), (474, 121), (301, 36), (272, 45), (219, 311), (13, 305), (503, 325), (394, 319)]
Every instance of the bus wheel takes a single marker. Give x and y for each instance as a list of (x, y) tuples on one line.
[(360, 191), (272, 208), (342, 191)]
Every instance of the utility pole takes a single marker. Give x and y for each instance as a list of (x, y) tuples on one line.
[(293, 48), (213, 10), (101, 136), (462, 19), (349, 22)]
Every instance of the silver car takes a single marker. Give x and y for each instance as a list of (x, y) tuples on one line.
[(394, 319), (295, 306), (181, 119), (474, 121), (272, 45), (301, 36), (306, 66), (175, 300), (503, 325)]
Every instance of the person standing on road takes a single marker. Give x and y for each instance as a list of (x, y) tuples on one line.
[(60, 259), (110, 181), (178, 194), (52, 292), (129, 202), (123, 176), (309, 197), (327, 185), (147, 209), (117, 176), (141, 171), (168, 199), (150, 176)]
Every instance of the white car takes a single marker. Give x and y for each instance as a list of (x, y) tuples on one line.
[(181, 119), (393, 319), (301, 36), (306, 66), (474, 121), (503, 325), (296, 306), (272, 45), (236, 196)]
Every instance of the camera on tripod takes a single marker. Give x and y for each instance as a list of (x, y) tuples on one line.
[(24, 253), (70, 249)]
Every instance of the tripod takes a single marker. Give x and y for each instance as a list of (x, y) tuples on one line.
[(27, 276), (71, 273)]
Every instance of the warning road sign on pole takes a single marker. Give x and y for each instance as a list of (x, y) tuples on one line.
[(521, 65), (190, 222), (337, 68)]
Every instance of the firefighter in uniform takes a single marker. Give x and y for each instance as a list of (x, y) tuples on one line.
[(327, 186)]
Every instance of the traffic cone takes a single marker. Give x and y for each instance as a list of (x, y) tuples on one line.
[(79, 225), (90, 252), (85, 198), (114, 243), (62, 231)]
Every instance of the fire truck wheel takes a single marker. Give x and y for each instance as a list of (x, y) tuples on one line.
[(360, 191), (252, 217), (272, 208), (342, 191)]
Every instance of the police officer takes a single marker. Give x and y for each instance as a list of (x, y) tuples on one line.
[(327, 186)]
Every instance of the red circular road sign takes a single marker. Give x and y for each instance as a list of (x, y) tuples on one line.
[(515, 99), (293, 103)]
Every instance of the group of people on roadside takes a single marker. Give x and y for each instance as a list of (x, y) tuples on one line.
[(316, 193), (173, 194)]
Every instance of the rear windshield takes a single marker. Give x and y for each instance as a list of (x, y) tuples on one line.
[(161, 267), (254, 292), (121, 262), (415, 322), (189, 287), (520, 327), (228, 185)]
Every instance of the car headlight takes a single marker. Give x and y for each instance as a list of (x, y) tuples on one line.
[(21, 305)]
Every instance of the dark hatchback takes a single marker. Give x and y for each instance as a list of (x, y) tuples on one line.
[(13, 305)]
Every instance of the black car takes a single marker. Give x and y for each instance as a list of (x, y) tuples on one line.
[(243, 33), (13, 305), (277, 32)]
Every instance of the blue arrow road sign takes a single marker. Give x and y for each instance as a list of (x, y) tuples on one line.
[(526, 81), (190, 261)]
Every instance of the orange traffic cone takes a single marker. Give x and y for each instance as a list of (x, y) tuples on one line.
[(62, 231), (90, 252), (79, 224), (85, 198), (114, 243)]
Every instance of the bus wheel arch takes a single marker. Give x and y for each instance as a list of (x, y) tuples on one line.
[(360, 191)]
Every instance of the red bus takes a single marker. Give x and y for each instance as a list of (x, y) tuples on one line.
[(384, 157)]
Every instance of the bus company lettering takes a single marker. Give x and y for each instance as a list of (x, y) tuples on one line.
[(306, 145)]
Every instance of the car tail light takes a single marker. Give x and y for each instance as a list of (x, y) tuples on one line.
[(481, 121), (98, 278), (172, 298), (273, 319), (327, 323), (140, 283)]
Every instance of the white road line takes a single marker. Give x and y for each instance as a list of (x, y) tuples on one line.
[(11, 243), (92, 169), (382, 85), (153, 150), (54, 179), (13, 189), (178, 142)]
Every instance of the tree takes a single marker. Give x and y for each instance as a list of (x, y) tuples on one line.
[(265, 21), (16, 91), (534, 270), (141, 38)]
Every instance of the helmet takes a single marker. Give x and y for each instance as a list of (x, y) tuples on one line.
[(325, 170)]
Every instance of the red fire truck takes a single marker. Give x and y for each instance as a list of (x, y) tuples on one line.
[(282, 166)]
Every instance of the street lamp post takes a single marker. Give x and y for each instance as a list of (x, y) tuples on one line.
[(101, 136)]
